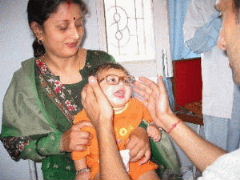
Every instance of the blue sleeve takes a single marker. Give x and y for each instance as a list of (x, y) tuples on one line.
[(206, 36)]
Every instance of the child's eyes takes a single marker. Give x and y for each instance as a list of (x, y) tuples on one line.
[(113, 79)]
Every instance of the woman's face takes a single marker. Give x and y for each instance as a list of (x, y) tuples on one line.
[(119, 94), (63, 31)]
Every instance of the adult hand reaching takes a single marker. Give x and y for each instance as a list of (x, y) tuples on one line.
[(100, 112), (96, 105), (154, 96)]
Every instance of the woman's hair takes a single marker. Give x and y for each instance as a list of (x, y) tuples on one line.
[(39, 11), (107, 66)]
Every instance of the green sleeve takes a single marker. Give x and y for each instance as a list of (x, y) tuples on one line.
[(38, 149), (50, 145), (30, 152)]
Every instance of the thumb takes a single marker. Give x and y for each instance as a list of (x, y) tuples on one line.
[(96, 88), (161, 85)]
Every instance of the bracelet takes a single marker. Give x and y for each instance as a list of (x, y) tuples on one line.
[(84, 170), (173, 126)]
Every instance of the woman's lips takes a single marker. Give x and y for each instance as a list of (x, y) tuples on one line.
[(72, 45), (120, 93)]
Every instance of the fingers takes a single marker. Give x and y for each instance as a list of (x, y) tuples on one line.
[(146, 88), (80, 147), (142, 89), (146, 157), (161, 85), (82, 124), (76, 138), (78, 142), (137, 145), (88, 96), (151, 85), (96, 88), (133, 146), (136, 154)]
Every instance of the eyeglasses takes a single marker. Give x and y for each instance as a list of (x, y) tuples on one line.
[(112, 79)]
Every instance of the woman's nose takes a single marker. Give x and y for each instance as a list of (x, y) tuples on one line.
[(75, 33)]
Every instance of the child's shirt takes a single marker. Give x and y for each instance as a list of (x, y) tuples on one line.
[(124, 124)]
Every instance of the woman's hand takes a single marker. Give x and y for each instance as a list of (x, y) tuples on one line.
[(96, 105), (75, 139), (139, 146), (155, 98)]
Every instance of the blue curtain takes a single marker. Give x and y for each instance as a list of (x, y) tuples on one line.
[(177, 12)]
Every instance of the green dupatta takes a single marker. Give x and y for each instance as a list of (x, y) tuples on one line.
[(23, 113)]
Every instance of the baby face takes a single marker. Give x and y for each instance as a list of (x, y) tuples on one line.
[(115, 85)]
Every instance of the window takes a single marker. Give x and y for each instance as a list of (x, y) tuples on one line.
[(136, 33), (129, 29)]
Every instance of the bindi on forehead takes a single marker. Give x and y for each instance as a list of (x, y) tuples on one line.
[(69, 2)]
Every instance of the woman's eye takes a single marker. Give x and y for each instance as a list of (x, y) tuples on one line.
[(62, 28)]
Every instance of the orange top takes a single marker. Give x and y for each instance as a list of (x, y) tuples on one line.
[(124, 124)]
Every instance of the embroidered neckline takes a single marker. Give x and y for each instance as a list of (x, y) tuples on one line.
[(56, 90)]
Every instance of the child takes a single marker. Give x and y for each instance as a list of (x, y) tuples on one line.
[(115, 82)]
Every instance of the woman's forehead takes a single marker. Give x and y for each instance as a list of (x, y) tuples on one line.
[(66, 10)]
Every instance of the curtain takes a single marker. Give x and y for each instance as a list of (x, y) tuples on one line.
[(177, 12)]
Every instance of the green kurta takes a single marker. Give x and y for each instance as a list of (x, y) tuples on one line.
[(28, 111)]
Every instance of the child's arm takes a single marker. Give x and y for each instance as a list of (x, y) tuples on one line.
[(154, 132), (82, 171)]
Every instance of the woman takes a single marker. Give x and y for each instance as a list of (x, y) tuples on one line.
[(44, 94)]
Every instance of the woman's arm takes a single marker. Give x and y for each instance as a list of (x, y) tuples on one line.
[(82, 171), (21, 148), (37, 148), (200, 151)]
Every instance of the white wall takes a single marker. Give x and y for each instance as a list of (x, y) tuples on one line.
[(16, 46)]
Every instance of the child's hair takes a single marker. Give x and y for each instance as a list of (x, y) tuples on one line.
[(106, 66)]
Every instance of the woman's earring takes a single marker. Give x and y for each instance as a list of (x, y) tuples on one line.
[(39, 42)]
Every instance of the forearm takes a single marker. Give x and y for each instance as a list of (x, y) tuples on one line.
[(200, 151), (50, 144), (111, 166), (21, 148), (42, 147), (80, 164)]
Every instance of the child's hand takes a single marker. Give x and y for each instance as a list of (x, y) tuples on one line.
[(83, 176), (139, 146), (154, 133)]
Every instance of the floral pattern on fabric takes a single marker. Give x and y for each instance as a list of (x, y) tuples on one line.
[(56, 91), (15, 145)]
